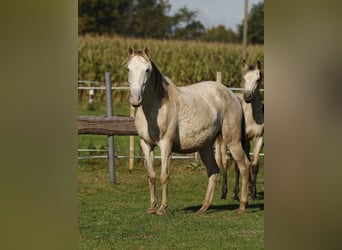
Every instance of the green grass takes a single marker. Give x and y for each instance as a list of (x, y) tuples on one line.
[(114, 217)]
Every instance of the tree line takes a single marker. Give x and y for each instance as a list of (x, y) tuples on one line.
[(150, 19)]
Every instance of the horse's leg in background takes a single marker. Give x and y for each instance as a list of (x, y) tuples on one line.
[(243, 162), (255, 164), (151, 175), (208, 158), (165, 151), (222, 160)]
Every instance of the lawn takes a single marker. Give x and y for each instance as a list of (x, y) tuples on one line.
[(114, 217)]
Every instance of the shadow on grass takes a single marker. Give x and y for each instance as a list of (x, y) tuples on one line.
[(253, 207), (229, 207)]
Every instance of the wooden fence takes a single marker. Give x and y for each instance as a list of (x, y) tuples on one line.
[(109, 125)]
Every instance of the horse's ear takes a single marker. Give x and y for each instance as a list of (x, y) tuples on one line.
[(130, 50), (259, 65), (147, 51), (245, 66)]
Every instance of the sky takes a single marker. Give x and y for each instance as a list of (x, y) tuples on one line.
[(215, 12)]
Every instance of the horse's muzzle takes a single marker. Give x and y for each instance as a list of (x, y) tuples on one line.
[(135, 100), (248, 97)]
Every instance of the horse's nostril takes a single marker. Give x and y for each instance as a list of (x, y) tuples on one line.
[(247, 97)]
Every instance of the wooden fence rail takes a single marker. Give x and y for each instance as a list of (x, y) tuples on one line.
[(103, 125)]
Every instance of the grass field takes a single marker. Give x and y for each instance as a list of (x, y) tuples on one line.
[(114, 217)]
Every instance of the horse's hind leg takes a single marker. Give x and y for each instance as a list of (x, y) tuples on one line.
[(151, 175), (222, 160), (246, 144), (208, 158), (255, 165), (243, 162)]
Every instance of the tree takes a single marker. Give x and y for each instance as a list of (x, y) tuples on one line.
[(146, 18), (97, 17), (220, 34), (184, 26), (255, 32), (191, 31), (138, 18)]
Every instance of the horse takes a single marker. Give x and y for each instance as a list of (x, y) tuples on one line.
[(254, 117), (183, 120)]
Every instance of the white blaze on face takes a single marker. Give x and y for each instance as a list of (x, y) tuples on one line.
[(138, 73), (251, 80), (250, 84)]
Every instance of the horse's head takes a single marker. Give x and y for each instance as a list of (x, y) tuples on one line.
[(252, 77), (139, 68)]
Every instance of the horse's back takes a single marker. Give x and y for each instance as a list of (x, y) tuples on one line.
[(210, 92)]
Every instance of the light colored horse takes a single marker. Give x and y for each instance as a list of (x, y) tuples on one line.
[(254, 117), (184, 119)]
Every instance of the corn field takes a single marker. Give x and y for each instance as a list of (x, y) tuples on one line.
[(183, 62)]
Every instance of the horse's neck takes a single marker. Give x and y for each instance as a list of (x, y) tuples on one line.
[(157, 91), (159, 106), (257, 112)]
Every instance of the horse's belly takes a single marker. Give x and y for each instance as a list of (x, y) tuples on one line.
[(189, 142), (196, 129)]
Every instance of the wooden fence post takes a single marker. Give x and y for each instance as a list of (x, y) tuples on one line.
[(219, 77), (244, 38)]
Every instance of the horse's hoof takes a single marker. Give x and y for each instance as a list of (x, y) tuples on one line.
[(236, 198), (151, 211), (241, 210), (223, 197), (201, 211), (161, 211)]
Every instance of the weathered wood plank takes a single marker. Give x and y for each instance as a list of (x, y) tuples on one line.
[(103, 125)]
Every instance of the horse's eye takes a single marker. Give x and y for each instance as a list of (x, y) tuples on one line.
[(147, 70), (127, 69)]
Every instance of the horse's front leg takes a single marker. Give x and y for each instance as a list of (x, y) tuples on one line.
[(151, 175), (165, 151)]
